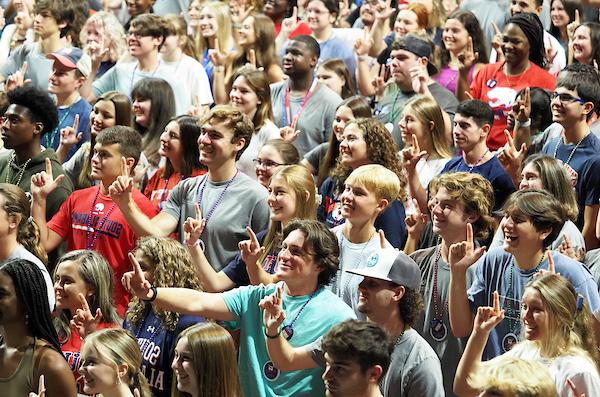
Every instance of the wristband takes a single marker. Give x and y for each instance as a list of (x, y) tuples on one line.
[(154, 293), (273, 336), (219, 69), (523, 124), (198, 243)]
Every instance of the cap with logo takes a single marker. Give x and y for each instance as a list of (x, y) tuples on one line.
[(391, 265), (420, 47), (73, 58)]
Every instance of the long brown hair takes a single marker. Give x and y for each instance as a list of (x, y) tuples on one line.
[(258, 81)]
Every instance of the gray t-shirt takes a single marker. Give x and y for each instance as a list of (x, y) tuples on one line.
[(21, 253), (316, 119), (315, 156), (243, 204), (38, 66), (390, 108), (449, 349)]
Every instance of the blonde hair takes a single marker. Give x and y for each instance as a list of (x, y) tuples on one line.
[(377, 179), (112, 28), (98, 275), (121, 348), (215, 361), (300, 182), (224, 31), (569, 325), (172, 267), (474, 192), (428, 111), (513, 377), (16, 204)]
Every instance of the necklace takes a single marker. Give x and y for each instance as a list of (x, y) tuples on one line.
[(519, 79), (219, 199), (91, 234), (288, 330), (133, 75), (560, 140), (49, 138), (341, 291), (21, 170), (437, 328), (512, 307), (162, 198), (155, 328), (478, 161)]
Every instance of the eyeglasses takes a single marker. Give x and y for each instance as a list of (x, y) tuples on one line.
[(565, 98), (316, 11), (137, 34), (265, 163)]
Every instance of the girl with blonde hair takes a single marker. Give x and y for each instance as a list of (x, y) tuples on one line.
[(167, 263), (292, 194), (84, 302), (111, 360), (103, 29), (205, 363)]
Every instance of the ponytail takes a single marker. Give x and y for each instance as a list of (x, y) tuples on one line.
[(139, 381), (584, 331), (28, 235)]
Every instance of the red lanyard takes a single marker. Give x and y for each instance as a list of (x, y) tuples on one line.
[(287, 114)]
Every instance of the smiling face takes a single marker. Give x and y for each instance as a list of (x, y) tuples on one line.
[(275, 9), (455, 36), (207, 20), (141, 44), (170, 142), (568, 112), (215, 144), (68, 284), (582, 45), (99, 374), (448, 214), (62, 81), (520, 235), (343, 115), (183, 367), (515, 44), (246, 33), (558, 14), (353, 148), (103, 116), (137, 7), (268, 161), (406, 22), (344, 378), (519, 6), (194, 13), (530, 178), (282, 201), (318, 16), (141, 108), (376, 296), (360, 204), (295, 262), (243, 97), (534, 315), (411, 125)]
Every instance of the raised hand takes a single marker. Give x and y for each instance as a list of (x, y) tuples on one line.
[(193, 227), (573, 388), (240, 12), (17, 79), (290, 134), (217, 57), (571, 27), (250, 250), (463, 255), (288, 25), (382, 242), (251, 59), (511, 158), (69, 135), (41, 388), (412, 154), (567, 248), (383, 11), (420, 78), (135, 282), (363, 44), (83, 320), (120, 190), (415, 223), (468, 57), (497, 42), (96, 51), (488, 317), (43, 183), (273, 314), (521, 109)]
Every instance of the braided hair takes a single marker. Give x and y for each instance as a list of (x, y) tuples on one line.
[(531, 26), (32, 295)]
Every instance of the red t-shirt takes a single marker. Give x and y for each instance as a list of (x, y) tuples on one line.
[(491, 85), (158, 188), (71, 349), (114, 237), (301, 29)]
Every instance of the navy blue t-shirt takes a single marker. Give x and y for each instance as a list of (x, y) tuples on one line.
[(583, 169), (491, 170), (391, 221), (158, 349)]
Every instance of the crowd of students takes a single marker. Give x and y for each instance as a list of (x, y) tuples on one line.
[(281, 198)]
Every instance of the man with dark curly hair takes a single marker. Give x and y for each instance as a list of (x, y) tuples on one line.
[(30, 115), (389, 295)]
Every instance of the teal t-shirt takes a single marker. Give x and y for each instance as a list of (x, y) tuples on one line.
[(258, 375)]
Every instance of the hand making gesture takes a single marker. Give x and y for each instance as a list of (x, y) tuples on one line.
[(69, 135), (511, 158), (488, 317), (135, 282), (290, 134), (43, 183), (250, 250), (412, 154), (193, 227), (41, 388), (462, 255), (120, 190), (17, 79), (83, 320), (273, 315)]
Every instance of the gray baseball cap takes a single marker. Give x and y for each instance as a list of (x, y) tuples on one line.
[(391, 265)]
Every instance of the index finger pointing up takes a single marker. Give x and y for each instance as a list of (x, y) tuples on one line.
[(252, 235), (551, 267), (496, 302), (76, 122), (137, 269), (124, 168), (84, 304), (496, 29), (469, 233), (48, 167)]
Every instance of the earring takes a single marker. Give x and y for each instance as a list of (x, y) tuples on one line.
[(26, 319), (118, 378)]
